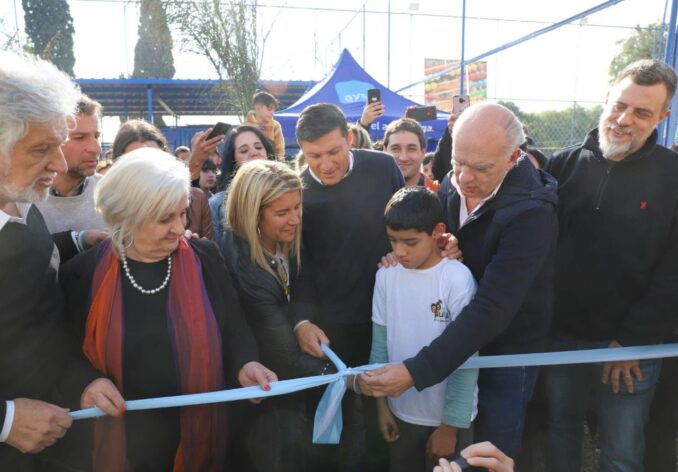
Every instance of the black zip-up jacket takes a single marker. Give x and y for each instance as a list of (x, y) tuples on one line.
[(442, 159), (617, 260), (267, 311), (509, 245)]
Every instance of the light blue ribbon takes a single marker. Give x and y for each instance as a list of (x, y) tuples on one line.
[(328, 421)]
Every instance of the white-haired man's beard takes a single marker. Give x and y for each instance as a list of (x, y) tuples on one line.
[(29, 194), (611, 150)]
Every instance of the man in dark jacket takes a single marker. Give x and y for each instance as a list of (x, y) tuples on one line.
[(502, 211), (35, 361), (345, 194), (616, 268)]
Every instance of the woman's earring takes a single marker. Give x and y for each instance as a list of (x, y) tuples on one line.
[(131, 241)]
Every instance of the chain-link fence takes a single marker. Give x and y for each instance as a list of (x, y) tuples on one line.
[(556, 82), (558, 128)]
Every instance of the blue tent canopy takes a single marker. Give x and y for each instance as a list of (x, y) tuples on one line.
[(346, 86)]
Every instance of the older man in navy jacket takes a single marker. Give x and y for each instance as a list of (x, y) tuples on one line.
[(503, 212)]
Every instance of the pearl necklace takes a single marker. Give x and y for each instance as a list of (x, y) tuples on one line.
[(139, 287)]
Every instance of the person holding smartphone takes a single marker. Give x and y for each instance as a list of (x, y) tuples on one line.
[(373, 109)]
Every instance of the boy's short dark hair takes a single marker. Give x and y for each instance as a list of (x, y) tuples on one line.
[(413, 208), (264, 98), (318, 120), (428, 157), (208, 165)]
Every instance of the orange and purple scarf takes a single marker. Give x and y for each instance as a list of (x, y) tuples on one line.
[(198, 351)]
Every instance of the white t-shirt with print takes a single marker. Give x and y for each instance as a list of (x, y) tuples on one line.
[(416, 306)]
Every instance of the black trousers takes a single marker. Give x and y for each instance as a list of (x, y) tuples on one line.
[(408, 453), (361, 448)]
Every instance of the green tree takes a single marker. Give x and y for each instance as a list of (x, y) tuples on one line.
[(153, 52), (555, 129), (645, 43), (226, 33), (514, 108), (49, 27)]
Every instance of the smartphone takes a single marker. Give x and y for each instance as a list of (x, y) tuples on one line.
[(460, 103), (373, 95), (219, 130), (461, 462), (422, 113)]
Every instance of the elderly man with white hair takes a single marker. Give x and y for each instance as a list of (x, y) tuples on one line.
[(36, 101), (503, 212)]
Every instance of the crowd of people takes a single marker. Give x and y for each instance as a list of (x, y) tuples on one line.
[(155, 272)]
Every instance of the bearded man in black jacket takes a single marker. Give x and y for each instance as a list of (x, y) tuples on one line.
[(503, 212), (616, 268)]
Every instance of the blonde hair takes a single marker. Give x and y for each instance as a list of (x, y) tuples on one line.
[(141, 187), (256, 185)]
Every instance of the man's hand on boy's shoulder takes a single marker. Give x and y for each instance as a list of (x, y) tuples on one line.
[(449, 247), (389, 260), (442, 442)]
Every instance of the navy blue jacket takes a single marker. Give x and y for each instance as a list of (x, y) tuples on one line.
[(509, 245), (617, 260)]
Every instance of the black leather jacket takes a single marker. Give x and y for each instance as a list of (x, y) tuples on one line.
[(267, 311)]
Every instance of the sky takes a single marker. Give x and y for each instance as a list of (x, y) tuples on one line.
[(306, 37)]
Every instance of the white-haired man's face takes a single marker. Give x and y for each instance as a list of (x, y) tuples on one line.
[(28, 172)]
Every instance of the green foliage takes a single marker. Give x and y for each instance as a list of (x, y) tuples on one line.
[(153, 52), (226, 34), (49, 27), (555, 129), (645, 43)]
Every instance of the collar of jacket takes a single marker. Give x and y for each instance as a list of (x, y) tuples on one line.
[(522, 182), (591, 143), (249, 271)]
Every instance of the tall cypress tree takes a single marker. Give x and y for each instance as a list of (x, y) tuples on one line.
[(153, 53), (49, 26)]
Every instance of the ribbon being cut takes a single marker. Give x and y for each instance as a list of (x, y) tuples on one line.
[(328, 419)]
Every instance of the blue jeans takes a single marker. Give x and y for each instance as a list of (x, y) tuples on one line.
[(573, 389), (503, 395)]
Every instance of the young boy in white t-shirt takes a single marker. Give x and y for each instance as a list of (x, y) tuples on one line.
[(413, 303)]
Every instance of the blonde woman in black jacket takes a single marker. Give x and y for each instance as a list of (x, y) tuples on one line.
[(262, 250)]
